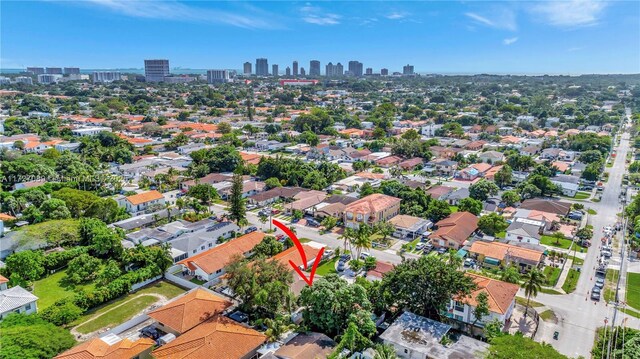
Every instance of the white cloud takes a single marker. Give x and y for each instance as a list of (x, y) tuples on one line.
[(173, 10), (396, 16), (509, 41), (501, 18), (317, 16), (572, 13)]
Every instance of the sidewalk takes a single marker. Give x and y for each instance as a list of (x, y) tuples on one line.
[(563, 275)]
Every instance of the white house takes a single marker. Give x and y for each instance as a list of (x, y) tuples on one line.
[(138, 203), (525, 230), (500, 297), (15, 300)]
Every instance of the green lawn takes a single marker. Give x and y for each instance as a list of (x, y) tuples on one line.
[(501, 234), (304, 240), (633, 290), (582, 195), (551, 241), (163, 288), (197, 281), (572, 280), (577, 261), (549, 316), (592, 211), (327, 267), (532, 303), (453, 209), (551, 274), (610, 284), (52, 288), (547, 290), (113, 317)]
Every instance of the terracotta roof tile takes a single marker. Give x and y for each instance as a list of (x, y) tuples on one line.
[(457, 227), (218, 257), (98, 348), (144, 197), (372, 203), (500, 294)]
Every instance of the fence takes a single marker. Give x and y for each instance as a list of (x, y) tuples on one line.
[(181, 282), (126, 325), (143, 283)]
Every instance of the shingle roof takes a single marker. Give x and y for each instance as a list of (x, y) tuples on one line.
[(15, 297), (218, 257), (190, 310), (98, 348), (307, 346), (218, 337), (144, 197), (547, 205)]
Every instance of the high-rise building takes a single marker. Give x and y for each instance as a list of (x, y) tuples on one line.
[(274, 70), (369, 71), (407, 70), (384, 72), (303, 72), (287, 71), (36, 70), (24, 80), (262, 67), (218, 76), (314, 68), (332, 70), (247, 68), (156, 70), (328, 69), (105, 76), (295, 68), (49, 78), (53, 71), (339, 70), (71, 71), (355, 68)]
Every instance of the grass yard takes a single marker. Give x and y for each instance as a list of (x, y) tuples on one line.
[(453, 209), (549, 316), (582, 195), (547, 290), (197, 281), (162, 288), (501, 234), (50, 289), (610, 284), (592, 211), (114, 316), (633, 290), (551, 241), (327, 267), (572, 280), (304, 240), (577, 261), (552, 274), (532, 303)]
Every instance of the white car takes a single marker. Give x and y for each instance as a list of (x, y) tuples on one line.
[(419, 246), (364, 255)]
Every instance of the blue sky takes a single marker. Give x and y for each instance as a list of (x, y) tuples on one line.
[(570, 37)]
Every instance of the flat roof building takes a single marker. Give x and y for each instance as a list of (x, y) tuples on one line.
[(156, 70)]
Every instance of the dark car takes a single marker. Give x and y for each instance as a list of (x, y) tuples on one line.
[(250, 229), (312, 222), (150, 332), (595, 296), (442, 250), (427, 248), (345, 257), (341, 266), (596, 289)]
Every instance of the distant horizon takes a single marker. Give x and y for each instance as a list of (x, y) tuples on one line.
[(570, 37)]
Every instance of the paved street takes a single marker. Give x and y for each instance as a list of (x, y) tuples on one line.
[(578, 315)]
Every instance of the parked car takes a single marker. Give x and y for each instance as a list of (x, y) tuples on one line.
[(420, 246), (364, 255), (442, 250), (599, 282), (606, 254), (341, 266), (596, 289), (275, 211), (469, 262), (150, 332), (312, 222), (250, 229), (427, 248), (595, 296), (345, 257)]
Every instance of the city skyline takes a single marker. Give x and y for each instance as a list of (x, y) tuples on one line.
[(579, 36)]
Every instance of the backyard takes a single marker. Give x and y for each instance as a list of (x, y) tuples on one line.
[(53, 288), (114, 312), (555, 242)]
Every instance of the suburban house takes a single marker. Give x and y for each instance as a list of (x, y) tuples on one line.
[(442, 167), (305, 345), (474, 171), (371, 210), (379, 271), (191, 243), (273, 195), (411, 164), (210, 264), (333, 206), (306, 202), (110, 346), (416, 337), (525, 230), (453, 231), (453, 198), (501, 297), (218, 337), (211, 178), (189, 310), (439, 192), (139, 203), (491, 157), (547, 205), (15, 300), (410, 226), (498, 254)]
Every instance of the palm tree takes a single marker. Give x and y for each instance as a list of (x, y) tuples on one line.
[(362, 239), (384, 352), (276, 328), (532, 284), (347, 236)]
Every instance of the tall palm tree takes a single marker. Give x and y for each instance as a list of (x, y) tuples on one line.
[(347, 236), (532, 284), (362, 239)]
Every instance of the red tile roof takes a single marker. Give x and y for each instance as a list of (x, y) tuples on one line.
[(98, 348), (457, 227), (218, 257)]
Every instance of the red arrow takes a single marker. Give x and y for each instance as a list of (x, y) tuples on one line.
[(298, 245)]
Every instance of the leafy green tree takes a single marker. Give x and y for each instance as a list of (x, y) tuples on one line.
[(510, 197), (493, 329), (329, 222), (424, 285), (29, 265), (366, 190), (297, 214), (82, 268), (272, 182), (385, 229), (224, 127), (36, 197), (268, 247), (481, 309), (109, 272), (482, 190), (331, 294), (532, 284), (519, 346), (471, 205), (438, 210), (504, 176), (384, 352), (203, 192), (492, 223), (62, 312), (592, 171), (411, 134), (54, 209), (106, 210), (591, 156), (31, 337), (237, 208), (76, 200), (510, 275)]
